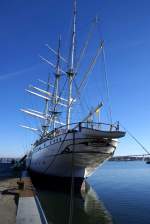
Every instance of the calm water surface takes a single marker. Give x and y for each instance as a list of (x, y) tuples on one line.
[(118, 192)]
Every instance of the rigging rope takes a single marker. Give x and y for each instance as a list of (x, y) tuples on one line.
[(91, 66), (107, 86), (86, 44), (136, 140), (78, 95)]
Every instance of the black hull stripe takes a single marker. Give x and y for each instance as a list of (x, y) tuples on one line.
[(85, 152), (62, 142)]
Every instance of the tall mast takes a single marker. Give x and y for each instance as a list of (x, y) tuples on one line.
[(56, 86), (70, 71), (45, 126)]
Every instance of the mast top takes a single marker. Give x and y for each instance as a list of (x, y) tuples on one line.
[(73, 37), (58, 59)]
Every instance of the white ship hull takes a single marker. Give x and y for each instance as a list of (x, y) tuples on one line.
[(75, 153)]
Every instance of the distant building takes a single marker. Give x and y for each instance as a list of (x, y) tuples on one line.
[(126, 158), (8, 160)]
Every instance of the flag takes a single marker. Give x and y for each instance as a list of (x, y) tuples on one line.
[(97, 111)]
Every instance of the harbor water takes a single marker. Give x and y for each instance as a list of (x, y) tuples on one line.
[(118, 192)]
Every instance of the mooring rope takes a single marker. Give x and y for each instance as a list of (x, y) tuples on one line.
[(72, 182), (53, 160)]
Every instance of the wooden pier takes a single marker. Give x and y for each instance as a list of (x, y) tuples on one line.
[(18, 200)]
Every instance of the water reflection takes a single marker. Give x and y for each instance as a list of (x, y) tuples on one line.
[(87, 207), (94, 207)]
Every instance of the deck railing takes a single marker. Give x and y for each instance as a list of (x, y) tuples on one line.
[(91, 125), (78, 127)]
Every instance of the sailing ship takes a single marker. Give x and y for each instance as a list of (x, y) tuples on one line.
[(66, 149)]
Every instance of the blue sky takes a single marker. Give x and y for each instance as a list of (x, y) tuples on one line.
[(27, 25)]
